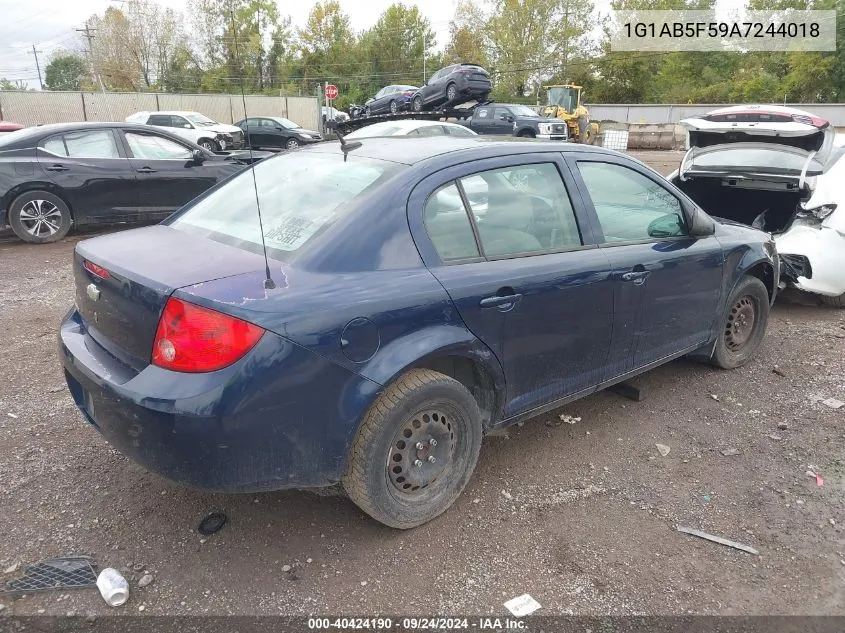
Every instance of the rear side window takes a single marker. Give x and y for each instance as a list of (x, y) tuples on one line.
[(631, 207), (448, 225), (301, 196), (83, 144), (521, 210), (164, 120)]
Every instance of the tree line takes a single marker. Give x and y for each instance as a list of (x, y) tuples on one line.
[(229, 45)]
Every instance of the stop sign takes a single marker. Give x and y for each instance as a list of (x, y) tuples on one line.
[(331, 91)]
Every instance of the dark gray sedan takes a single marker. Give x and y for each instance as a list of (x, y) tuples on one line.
[(275, 132)]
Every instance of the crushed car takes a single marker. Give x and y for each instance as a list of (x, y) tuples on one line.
[(781, 170)]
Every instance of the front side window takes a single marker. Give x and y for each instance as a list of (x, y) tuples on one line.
[(631, 207), (152, 147), (301, 196), (459, 130), (431, 130), (83, 144)]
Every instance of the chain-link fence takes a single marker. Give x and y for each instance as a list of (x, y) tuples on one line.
[(41, 107)]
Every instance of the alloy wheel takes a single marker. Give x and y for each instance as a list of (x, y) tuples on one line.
[(40, 218)]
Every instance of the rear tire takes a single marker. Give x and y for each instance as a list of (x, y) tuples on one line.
[(743, 325), (415, 450), (39, 217), (836, 302), (585, 132)]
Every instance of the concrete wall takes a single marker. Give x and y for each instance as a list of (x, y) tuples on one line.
[(41, 107), (672, 113)]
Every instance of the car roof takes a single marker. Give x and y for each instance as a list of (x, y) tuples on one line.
[(19, 139), (410, 151)]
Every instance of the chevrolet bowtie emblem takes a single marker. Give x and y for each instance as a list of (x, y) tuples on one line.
[(93, 292)]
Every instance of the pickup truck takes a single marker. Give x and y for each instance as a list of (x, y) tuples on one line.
[(515, 120)]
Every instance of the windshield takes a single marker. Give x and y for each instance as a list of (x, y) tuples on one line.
[(564, 97), (301, 195), (521, 110), (199, 119), (285, 123)]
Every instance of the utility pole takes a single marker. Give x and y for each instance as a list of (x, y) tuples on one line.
[(38, 66), (88, 35)]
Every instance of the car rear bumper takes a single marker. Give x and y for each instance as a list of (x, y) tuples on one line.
[(240, 429)]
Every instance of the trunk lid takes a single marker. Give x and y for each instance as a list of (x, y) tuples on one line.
[(145, 266), (753, 141)]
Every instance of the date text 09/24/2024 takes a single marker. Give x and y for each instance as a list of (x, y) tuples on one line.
[(380, 624)]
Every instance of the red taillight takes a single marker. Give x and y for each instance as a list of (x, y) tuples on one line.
[(191, 338), (92, 268)]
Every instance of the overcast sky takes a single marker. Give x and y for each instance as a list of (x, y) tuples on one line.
[(50, 24)]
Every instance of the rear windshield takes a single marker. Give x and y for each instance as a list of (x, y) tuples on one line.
[(301, 194), (769, 159)]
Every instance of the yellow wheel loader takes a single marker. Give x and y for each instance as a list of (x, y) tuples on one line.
[(563, 101)]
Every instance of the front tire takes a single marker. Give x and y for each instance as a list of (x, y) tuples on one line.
[(291, 143), (394, 107), (415, 450), (526, 134), (743, 324), (417, 104), (210, 145), (39, 217), (836, 302), (451, 93)]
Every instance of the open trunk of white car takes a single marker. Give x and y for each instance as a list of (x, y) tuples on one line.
[(754, 165)]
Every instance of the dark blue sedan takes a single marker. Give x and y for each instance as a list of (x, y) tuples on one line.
[(422, 293)]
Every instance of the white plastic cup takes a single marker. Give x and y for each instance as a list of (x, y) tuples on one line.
[(113, 587)]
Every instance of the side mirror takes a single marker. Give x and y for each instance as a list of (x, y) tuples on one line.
[(669, 225), (198, 156), (187, 126), (701, 224)]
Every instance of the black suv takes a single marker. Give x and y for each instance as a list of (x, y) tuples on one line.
[(453, 85)]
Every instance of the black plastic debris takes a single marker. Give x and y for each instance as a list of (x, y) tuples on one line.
[(212, 523), (67, 572)]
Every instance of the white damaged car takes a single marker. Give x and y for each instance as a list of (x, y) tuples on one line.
[(781, 170)]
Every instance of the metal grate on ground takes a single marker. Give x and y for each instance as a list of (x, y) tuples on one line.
[(70, 572)]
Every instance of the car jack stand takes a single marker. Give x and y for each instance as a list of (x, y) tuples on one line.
[(628, 390)]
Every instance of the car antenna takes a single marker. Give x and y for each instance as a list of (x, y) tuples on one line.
[(269, 284), (345, 146)]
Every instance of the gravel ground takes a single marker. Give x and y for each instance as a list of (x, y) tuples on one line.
[(582, 516)]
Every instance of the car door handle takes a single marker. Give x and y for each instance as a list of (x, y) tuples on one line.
[(637, 276), (500, 301), (57, 168), (146, 170)]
